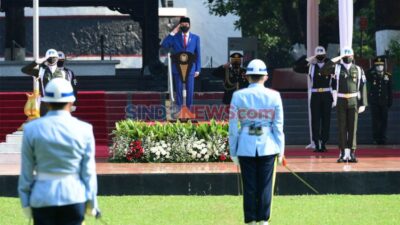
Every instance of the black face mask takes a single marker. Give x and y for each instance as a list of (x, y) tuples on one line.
[(320, 57), (52, 60), (347, 60), (235, 65), (184, 29), (60, 63)]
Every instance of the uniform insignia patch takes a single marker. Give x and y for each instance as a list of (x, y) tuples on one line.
[(364, 78)]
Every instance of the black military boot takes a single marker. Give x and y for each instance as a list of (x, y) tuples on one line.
[(341, 156), (317, 146), (323, 147), (353, 158)]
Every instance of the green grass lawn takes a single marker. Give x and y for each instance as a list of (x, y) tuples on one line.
[(220, 210)]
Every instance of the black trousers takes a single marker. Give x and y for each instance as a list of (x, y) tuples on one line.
[(379, 122), (257, 175), (321, 105), (59, 215)]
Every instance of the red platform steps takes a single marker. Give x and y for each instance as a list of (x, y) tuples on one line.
[(91, 108)]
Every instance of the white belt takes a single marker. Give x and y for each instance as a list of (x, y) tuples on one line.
[(347, 95), (246, 129), (56, 176), (320, 89)]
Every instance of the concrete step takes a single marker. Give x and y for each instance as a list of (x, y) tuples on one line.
[(15, 138)]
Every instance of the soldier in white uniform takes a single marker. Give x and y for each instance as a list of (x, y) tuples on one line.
[(258, 141), (58, 175)]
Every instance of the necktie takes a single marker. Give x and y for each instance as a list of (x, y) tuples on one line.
[(184, 40)]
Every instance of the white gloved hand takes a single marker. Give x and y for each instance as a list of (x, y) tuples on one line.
[(27, 212), (361, 109), (73, 108), (280, 159), (40, 60), (235, 160), (92, 211), (334, 97)]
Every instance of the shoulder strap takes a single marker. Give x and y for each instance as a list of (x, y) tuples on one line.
[(337, 75), (311, 69), (358, 80)]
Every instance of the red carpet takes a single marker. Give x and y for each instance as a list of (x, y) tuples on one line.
[(363, 151), (91, 107)]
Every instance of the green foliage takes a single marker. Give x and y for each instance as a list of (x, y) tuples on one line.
[(394, 49), (227, 210), (261, 19), (137, 141), (280, 24)]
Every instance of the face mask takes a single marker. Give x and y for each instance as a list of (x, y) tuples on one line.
[(320, 57), (184, 29), (347, 60), (235, 65), (379, 68), (52, 60), (60, 63)]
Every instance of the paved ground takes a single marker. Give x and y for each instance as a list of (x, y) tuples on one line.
[(371, 158)]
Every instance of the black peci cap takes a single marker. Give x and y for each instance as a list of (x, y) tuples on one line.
[(184, 20)]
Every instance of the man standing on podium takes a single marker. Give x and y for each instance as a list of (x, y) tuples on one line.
[(181, 40)]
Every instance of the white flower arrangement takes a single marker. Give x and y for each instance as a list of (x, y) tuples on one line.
[(136, 141)]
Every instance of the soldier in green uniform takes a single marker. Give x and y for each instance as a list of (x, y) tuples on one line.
[(380, 99), (322, 87), (233, 76), (45, 69), (351, 100)]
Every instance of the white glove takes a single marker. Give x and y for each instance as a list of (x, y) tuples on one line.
[(235, 160), (280, 159), (334, 96), (92, 211), (27, 212), (40, 60), (361, 109), (73, 108), (311, 59)]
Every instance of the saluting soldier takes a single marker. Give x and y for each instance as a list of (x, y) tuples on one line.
[(380, 99), (322, 88), (351, 100), (233, 75), (45, 69)]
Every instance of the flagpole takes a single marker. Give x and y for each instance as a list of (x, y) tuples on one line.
[(36, 54)]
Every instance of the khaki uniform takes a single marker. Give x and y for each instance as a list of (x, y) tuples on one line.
[(352, 93)]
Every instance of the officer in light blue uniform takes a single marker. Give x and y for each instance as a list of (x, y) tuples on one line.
[(58, 180), (259, 140)]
